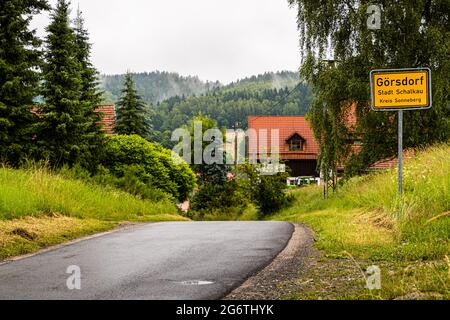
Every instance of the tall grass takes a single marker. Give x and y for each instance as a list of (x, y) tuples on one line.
[(38, 192), (368, 207), (407, 236), (426, 188)]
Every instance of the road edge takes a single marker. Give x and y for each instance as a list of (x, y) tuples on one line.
[(300, 244)]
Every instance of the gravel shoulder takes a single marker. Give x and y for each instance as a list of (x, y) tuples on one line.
[(280, 278)]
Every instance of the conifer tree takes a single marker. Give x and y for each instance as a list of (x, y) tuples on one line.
[(20, 59), (68, 127), (91, 97), (131, 113), (89, 75)]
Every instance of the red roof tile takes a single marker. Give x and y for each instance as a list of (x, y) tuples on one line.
[(287, 126), (108, 120), (391, 162)]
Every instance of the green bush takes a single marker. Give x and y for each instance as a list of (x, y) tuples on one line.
[(218, 197), (148, 164), (140, 163), (130, 181), (267, 192)]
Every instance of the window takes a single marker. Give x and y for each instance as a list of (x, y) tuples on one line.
[(296, 143)]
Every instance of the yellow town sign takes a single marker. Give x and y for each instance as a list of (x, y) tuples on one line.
[(400, 89)]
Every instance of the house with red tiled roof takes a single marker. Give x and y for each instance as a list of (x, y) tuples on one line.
[(108, 118), (297, 147)]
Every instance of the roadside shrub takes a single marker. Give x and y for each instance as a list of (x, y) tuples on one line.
[(131, 183), (267, 192), (218, 196), (141, 163)]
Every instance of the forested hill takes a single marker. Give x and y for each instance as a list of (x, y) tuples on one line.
[(173, 100), (278, 93), (156, 86), (268, 80)]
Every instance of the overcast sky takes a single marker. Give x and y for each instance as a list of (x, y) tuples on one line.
[(215, 39)]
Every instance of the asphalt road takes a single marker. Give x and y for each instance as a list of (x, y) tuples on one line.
[(175, 260)]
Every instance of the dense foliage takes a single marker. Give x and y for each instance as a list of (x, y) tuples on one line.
[(20, 59), (268, 193), (410, 36), (90, 94), (149, 163), (226, 199), (214, 173)]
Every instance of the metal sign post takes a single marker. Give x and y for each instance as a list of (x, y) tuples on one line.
[(400, 150), (400, 90)]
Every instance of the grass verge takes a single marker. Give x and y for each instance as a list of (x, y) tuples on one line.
[(29, 234), (39, 208), (366, 223)]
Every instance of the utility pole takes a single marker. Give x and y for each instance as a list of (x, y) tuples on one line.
[(330, 182)]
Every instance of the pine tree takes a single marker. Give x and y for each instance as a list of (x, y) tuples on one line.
[(20, 58), (65, 129), (89, 75), (90, 95), (131, 112)]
